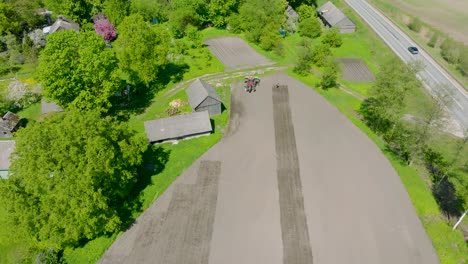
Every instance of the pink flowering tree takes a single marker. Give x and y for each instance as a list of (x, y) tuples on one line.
[(104, 28)]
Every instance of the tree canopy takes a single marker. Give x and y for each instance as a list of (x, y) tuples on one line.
[(79, 70), (68, 177), (141, 49)]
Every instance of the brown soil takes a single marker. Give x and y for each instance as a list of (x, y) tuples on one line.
[(356, 70)]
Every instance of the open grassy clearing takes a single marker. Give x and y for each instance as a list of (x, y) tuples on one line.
[(450, 245), (400, 17)]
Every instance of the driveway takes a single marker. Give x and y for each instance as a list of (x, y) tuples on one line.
[(293, 181)]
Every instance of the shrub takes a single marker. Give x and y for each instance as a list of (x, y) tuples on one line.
[(332, 38), (433, 40), (320, 54), (310, 27), (415, 24), (450, 50)]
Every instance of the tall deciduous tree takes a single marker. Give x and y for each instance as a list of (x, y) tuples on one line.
[(310, 27), (116, 10), (78, 70), (141, 49), (69, 175), (330, 74), (9, 22), (77, 10), (104, 28), (220, 10), (332, 38)]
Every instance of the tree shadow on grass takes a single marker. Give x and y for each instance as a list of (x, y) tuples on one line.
[(154, 162), (172, 72), (447, 199), (140, 98)]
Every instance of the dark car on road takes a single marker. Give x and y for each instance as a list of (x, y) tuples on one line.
[(413, 50)]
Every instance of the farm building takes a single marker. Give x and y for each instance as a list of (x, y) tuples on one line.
[(203, 97), (6, 148), (50, 107), (178, 127), (8, 124), (292, 18), (61, 23), (333, 17)]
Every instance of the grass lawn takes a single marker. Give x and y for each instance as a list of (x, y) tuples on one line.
[(450, 245)]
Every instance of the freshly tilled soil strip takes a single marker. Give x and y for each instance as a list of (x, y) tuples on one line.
[(188, 226), (295, 234)]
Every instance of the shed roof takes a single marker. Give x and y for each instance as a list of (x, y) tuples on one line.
[(198, 91), (9, 121), (291, 13), (334, 16), (49, 107), (178, 126), (6, 148), (63, 23)]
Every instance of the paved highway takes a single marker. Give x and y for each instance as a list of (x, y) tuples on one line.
[(436, 79)]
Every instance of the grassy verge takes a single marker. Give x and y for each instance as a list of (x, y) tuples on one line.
[(450, 245)]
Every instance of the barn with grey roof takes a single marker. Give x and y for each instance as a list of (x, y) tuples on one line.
[(62, 23), (6, 148), (178, 127), (333, 17), (203, 97)]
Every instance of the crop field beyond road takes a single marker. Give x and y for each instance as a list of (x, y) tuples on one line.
[(450, 16)]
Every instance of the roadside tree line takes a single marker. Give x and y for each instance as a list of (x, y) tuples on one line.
[(413, 138)]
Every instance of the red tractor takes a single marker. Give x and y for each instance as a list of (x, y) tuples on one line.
[(251, 83)]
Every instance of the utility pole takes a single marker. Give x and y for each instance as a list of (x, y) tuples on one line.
[(459, 220)]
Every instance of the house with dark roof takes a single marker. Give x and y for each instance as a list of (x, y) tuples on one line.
[(178, 127), (331, 16), (9, 124), (6, 148), (203, 97), (50, 107), (61, 23)]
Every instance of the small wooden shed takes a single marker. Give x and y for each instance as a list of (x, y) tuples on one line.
[(8, 124), (333, 17), (178, 127), (203, 97)]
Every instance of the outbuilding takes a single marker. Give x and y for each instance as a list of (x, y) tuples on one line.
[(6, 148), (203, 97), (9, 124), (50, 107), (178, 127), (331, 16), (62, 23)]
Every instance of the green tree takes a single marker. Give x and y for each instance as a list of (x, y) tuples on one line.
[(116, 10), (433, 40), (141, 49), (330, 74), (383, 110), (78, 70), (320, 54), (69, 178), (78, 10), (332, 38), (9, 22), (149, 9), (450, 50), (306, 11), (220, 10), (310, 27), (256, 17), (463, 66), (415, 24), (26, 11)]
